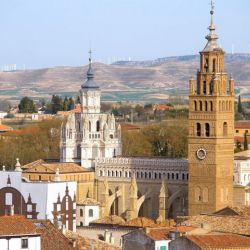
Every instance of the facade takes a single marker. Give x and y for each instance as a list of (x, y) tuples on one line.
[(55, 201), (89, 135), (87, 211), (46, 171), (142, 187), (211, 132), (18, 233)]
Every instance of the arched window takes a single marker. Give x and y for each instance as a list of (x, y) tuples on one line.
[(225, 129), (78, 152), (137, 175), (197, 194), (172, 176), (207, 129), (79, 126), (211, 87), (89, 126), (204, 87), (177, 176), (91, 214), (198, 129), (168, 176), (141, 175), (214, 65), (126, 174), (183, 176), (81, 224), (81, 212), (205, 105), (146, 175), (97, 126), (159, 175), (149, 175), (211, 106), (200, 105), (100, 173), (195, 106), (205, 194), (155, 175)]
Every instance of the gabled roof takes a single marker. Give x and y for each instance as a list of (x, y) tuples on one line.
[(16, 225), (212, 241), (237, 210), (51, 237), (41, 166)]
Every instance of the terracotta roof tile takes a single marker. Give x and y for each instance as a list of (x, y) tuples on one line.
[(220, 241), (159, 234), (141, 222), (51, 167), (5, 128), (89, 202), (242, 125), (111, 220), (16, 225), (51, 238)]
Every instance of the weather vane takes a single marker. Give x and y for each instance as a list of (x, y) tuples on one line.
[(90, 54), (212, 6)]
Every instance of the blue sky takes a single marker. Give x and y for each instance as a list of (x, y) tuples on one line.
[(45, 33)]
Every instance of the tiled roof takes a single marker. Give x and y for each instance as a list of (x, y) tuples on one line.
[(221, 223), (159, 234), (242, 125), (51, 238), (16, 225), (219, 241), (41, 166), (84, 243), (140, 222), (88, 202), (111, 220), (236, 210), (5, 128)]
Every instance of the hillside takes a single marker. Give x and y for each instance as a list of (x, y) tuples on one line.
[(146, 80)]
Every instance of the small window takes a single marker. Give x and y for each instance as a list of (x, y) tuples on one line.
[(91, 213), (195, 106), (40, 177), (204, 87), (81, 212), (97, 126), (207, 129), (205, 105), (214, 65), (246, 131), (200, 105), (111, 136), (237, 131), (24, 243), (198, 129), (8, 199)]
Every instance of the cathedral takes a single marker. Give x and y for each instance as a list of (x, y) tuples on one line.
[(157, 188), (89, 134)]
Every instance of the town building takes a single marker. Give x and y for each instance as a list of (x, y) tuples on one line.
[(211, 131), (89, 134), (55, 200), (17, 232), (87, 211)]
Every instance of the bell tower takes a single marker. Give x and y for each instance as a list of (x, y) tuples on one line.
[(211, 129)]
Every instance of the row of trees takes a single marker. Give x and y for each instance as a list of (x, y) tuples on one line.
[(56, 104), (41, 141)]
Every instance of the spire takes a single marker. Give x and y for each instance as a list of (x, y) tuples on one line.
[(90, 74), (212, 37), (90, 83)]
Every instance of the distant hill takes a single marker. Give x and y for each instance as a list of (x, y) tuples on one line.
[(134, 80)]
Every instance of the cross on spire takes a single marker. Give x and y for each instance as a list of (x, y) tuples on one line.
[(212, 7), (90, 56)]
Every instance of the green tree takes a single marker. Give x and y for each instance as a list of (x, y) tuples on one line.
[(240, 109), (26, 105), (5, 105), (245, 142), (71, 104), (56, 104), (65, 103)]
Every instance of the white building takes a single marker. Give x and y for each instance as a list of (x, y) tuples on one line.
[(55, 201), (242, 168), (89, 134), (18, 233), (87, 211)]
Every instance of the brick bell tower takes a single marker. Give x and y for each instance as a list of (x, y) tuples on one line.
[(211, 131)]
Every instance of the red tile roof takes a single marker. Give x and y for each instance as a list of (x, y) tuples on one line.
[(16, 225), (220, 241), (242, 125), (5, 128), (51, 237), (159, 234)]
